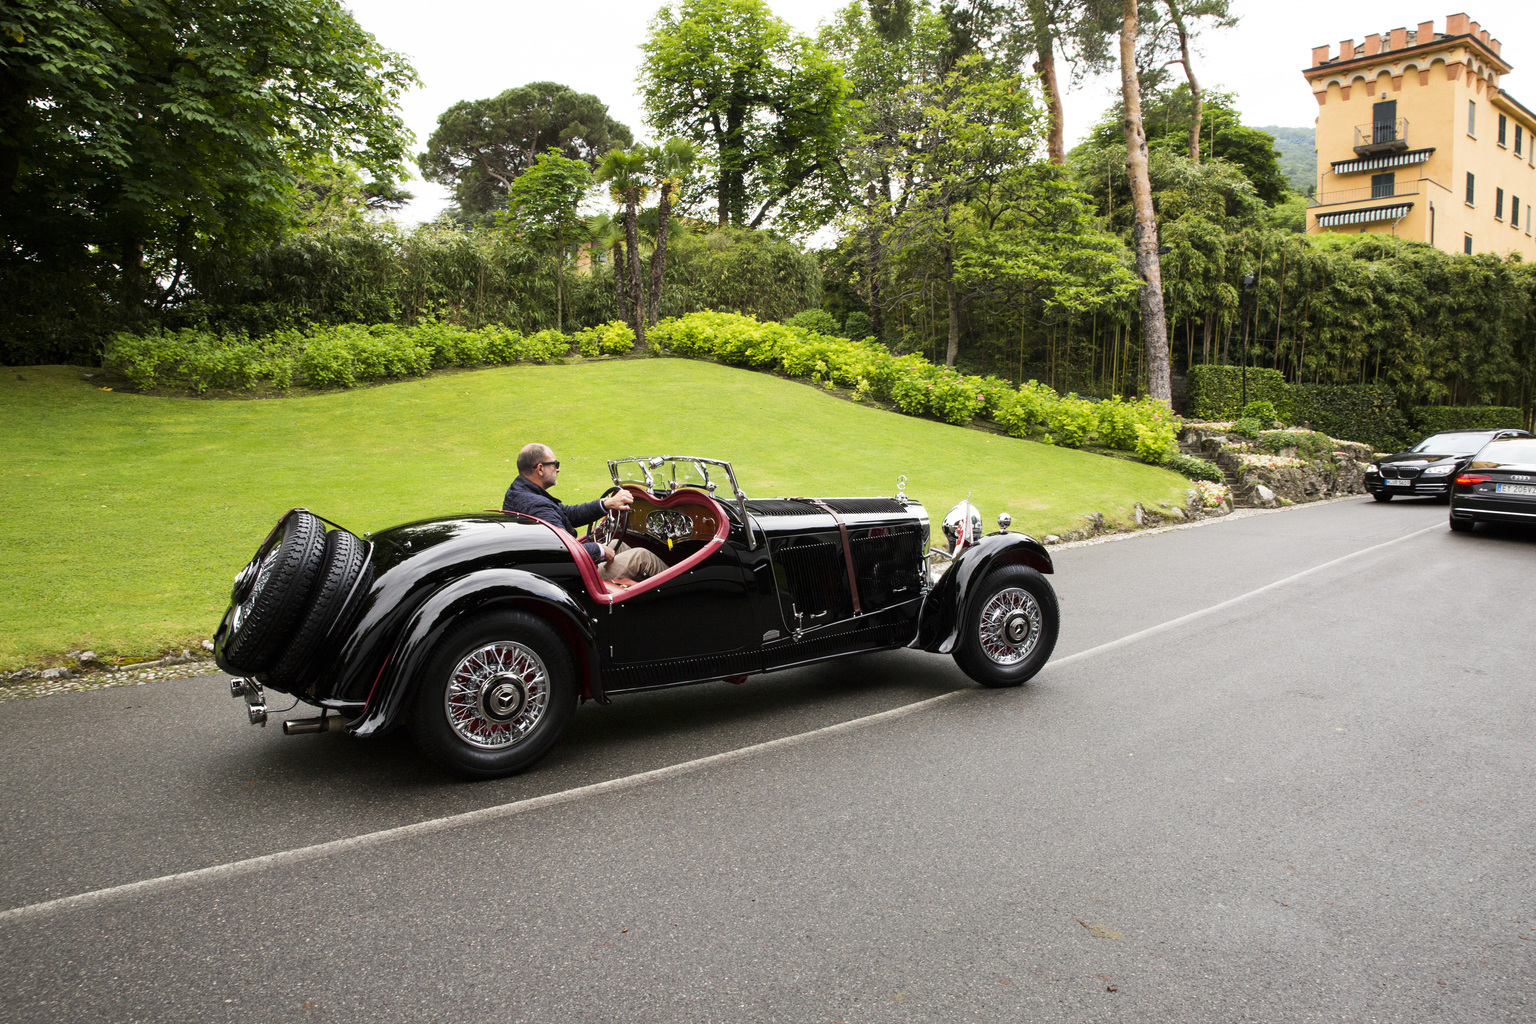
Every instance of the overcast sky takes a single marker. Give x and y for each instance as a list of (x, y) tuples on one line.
[(471, 49)]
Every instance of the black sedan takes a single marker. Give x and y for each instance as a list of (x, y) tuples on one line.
[(1426, 469), (1497, 485)]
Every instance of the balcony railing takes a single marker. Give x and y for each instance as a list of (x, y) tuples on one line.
[(1381, 137), (1365, 194)]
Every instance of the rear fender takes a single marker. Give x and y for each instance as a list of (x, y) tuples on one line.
[(453, 603), (948, 602)]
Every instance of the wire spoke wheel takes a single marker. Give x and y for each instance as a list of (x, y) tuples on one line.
[(1010, 626), (497, 694)]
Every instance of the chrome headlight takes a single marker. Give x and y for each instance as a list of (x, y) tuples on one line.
[(962, 526), (1439, 470)]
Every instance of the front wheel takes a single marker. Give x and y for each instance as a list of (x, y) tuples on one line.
[(496, 695), (1009, 629), (1382, 495)]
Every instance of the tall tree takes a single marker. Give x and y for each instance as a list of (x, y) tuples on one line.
[(1154, 325), (766, 104), (977, 127), (625, 173), (155, 131), (670, 162), (481, 146), (1181, 16), (543, 205)]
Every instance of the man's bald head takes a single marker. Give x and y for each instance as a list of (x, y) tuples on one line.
[(529, 458)]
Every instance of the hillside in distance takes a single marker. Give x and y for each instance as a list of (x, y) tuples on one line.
[(1298, 155)]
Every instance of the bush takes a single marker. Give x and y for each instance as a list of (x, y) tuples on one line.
[(1195, 469), (613, 338), (1117, 425), (1264, 412), (817, 321), (1247, 427), (1024, 412), (954, 398), (1309, 445), (1432, 419), (858, 326), (1071, 420), (1216, 392)]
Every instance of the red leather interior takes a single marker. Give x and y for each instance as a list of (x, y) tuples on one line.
[(606, 593)]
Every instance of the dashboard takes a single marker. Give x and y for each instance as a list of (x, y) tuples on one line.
[(679, 522)]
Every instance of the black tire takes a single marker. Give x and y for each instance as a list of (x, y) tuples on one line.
[(342, 564), (1381, 495), (271, 592), (1010, 598), (509, 678), (1462, 525)]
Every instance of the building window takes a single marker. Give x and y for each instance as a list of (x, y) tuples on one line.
[(1383, 185), (1472, 118), (1498, 204), (1471, 195), (1519, 131), (1503, 127), (1514, 211), (1466, 244)]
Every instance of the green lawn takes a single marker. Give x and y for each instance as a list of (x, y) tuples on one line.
[(124, 517)]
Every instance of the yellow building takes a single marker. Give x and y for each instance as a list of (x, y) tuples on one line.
[(1417, 138)]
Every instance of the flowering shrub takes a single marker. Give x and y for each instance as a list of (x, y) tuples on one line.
[(1258, 461), (955, 399), (1192, 467), (1212, 494)]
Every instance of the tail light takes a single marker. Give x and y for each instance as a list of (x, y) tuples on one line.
[(1468, 479)]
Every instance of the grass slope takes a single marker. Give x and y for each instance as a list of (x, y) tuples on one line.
[(124, 517)]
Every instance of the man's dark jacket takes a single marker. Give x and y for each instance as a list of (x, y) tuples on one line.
[(530, 499)]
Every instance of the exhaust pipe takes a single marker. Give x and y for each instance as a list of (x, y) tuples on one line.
[(303, 726)]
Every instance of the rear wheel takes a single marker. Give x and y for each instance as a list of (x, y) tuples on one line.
[(1009, 629), (1382, 495), (496, 695), (1463, 525), (270, 594)]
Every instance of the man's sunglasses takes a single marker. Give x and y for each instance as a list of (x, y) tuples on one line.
[(555, 463)]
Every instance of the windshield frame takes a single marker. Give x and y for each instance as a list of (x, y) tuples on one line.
[(670, 484)]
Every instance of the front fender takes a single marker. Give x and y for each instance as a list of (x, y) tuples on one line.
[(450, 604), (945, 605)]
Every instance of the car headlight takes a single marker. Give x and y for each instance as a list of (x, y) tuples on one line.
[(1439, 470), (1372, 470)]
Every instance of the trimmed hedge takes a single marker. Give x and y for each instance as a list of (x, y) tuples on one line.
[(1367, 413), (1432, 419), (340, 356), (1216, 392)]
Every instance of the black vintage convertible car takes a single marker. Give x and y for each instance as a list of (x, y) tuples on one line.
[(480, 632)]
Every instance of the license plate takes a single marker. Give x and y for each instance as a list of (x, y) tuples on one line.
[(1515, 489), (1399, 483)]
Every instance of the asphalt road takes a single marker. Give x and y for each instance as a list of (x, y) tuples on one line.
[(1280, 769)]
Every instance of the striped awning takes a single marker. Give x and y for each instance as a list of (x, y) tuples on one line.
[(1376, 163), (1391, 212)]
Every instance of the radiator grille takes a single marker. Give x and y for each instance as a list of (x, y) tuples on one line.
[(865, 506), (782, 507)]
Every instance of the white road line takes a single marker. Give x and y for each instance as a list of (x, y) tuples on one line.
[(252, 865)]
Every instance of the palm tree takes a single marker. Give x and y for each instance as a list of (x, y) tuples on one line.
[(624, 170), (669, 165)]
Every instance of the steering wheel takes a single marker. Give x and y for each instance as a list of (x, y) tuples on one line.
[(609, 530)]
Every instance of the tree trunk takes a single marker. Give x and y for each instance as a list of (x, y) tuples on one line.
[(1195, 95), (620, 279), (659, 254), (872, 257), (1154, 326), (632, 239), (1045, 67)]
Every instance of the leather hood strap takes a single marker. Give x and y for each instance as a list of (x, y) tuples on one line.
[(842, 528)]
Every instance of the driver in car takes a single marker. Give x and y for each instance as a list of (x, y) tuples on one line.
[(537, 471)]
